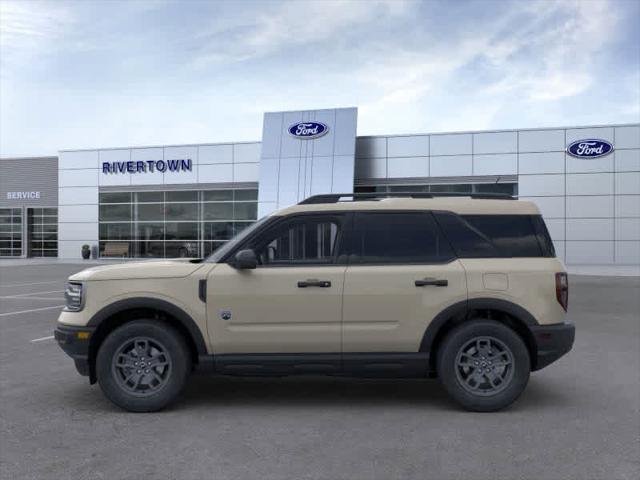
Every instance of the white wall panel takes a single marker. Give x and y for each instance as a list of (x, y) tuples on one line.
[(628, 253), (541, 141), (590, 184), (410, 146), (555, 227), (115, 155), (495, 142), (215, 154), (292, 172), (627, 160), (215, 173), (181, 176), (540, 185), (78, 177), (345, 140), (627, 205), (291, 146), (628, 137), (148, 178), (591, 253), (559, 247), (451, 165), (628, 183), (371, 168), (589, 229), (321, 175), (265, 208), (501, 164), (72, 248), (79, 159), (271, 135), (452, 144), (590, 206), (268, 179), (246, 172), (77, 231), (323, 146), (78, 195), (246, 153), (77, 213), (584, 165), (627, 228), (546, 162), (342, 174), (402, 167), (550, 207), (601, 133), (371, 147)]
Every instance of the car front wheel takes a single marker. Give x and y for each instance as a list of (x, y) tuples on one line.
[(484, 365), (143, 365)]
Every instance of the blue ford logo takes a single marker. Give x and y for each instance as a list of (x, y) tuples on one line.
[(308, 130), (590, 148)]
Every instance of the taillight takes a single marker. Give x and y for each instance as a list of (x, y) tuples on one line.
[(562, 289)]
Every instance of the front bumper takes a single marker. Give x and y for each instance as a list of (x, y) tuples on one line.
[(75, 343), (552, 342)]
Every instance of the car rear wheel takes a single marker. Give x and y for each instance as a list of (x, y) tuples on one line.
[(143, 365), (484, 365)]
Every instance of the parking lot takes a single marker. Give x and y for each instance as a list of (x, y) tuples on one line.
[(579, 418)]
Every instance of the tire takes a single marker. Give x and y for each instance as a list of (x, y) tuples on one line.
[(497, 352), (144, 378)]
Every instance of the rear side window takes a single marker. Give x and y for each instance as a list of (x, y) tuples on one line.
[(393, 238), (498, 236)]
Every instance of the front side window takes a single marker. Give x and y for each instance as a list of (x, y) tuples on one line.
[(306, 240), (394, 238)]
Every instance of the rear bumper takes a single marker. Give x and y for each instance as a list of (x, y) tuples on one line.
[(75, 345), (552, 342)]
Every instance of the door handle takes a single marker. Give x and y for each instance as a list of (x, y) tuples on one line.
[(426, 282), (314, 283)]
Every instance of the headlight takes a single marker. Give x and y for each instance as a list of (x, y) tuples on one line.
[(73, 297)]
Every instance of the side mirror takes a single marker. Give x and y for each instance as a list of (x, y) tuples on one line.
[(245, 259)]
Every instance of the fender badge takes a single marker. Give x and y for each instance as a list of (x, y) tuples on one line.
[(225, 314)]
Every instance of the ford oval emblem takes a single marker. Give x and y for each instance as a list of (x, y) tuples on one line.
[(590, 148), (308, 130)]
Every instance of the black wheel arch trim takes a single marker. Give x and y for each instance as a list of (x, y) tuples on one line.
[(462, 309), (156, 304)]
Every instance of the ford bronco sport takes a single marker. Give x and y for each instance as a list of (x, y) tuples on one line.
[(465, 288)]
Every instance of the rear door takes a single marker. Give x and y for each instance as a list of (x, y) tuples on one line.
[(402, 273)]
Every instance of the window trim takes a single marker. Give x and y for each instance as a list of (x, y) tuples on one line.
[(342, 239)]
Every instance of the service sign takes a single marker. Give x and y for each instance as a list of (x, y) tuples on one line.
[(589, 148), (308, 130)]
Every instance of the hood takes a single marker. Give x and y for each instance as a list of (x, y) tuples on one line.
[(133, 270)]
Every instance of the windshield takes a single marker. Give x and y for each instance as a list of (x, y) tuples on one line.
[(231, 244)]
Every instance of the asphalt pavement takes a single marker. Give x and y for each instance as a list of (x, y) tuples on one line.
[(578, 419)]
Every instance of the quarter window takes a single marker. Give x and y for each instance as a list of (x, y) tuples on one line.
[(399, 238)]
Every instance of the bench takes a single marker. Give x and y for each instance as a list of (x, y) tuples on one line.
[(116, 250)]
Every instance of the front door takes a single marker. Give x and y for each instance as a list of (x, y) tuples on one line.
[(292, 302), (402, 274)]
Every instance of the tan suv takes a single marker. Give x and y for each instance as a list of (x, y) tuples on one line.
[(465, 288)]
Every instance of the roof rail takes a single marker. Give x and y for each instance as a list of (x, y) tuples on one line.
[(335, 197)]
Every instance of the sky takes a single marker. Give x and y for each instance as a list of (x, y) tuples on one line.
[(87, 74)]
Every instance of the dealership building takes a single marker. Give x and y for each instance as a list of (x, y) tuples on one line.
[(186, 200)]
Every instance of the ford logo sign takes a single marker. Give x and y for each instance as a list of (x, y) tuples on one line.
[(590, 148), (308, 130)]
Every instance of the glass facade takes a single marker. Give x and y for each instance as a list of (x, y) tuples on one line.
[(169, 224), (42, 228), (505, 188), (10, 232)]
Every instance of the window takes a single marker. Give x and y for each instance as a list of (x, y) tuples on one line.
[(301, 241), (175, 223), (399, 238), (504, 236), (10, 232)]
